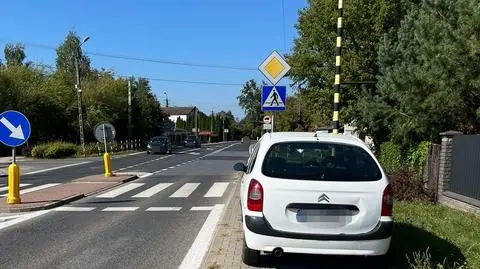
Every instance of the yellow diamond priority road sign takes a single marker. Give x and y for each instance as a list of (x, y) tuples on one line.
[(274, 67)]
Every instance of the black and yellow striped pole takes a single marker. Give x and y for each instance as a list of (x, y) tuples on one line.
[(338, 54)]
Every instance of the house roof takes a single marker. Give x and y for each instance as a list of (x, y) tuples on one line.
[(177, 110)]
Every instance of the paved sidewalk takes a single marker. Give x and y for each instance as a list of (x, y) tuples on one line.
[(63, 193)]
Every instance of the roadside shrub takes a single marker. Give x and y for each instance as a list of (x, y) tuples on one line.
[(390, 157), (39, 151), (54, 150), (417, 157), (408, 187)]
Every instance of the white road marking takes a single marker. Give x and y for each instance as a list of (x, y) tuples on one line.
[(55, 168), (37, 188), (121, 209), (9, 217), (118, 191), (164, 169), (153, 190), (73, 209), (171, 167), (199, 248), (178, 165), (136, 153), (185, 190), (194, 153), (21, 185), (201, 208), (163, 209), (217, 189), (23, 218)]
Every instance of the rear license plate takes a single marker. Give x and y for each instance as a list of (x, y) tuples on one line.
[(315, 215)]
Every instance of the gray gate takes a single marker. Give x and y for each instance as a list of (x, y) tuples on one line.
[(465, 178)]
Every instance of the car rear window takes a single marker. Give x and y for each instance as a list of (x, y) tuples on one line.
[(320, 161), (159, 139)]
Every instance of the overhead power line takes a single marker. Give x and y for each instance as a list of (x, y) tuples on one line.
[(185, 81), (141, 59)]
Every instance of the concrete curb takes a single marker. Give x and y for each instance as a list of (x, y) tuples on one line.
[(66, 200)]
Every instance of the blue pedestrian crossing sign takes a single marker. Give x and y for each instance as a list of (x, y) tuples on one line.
[(14, 128), (274, 98)]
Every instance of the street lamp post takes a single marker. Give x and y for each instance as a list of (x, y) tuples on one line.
[(78, 89), (166, 99)]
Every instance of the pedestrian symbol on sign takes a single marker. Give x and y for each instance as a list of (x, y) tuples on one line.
[(273, 98)]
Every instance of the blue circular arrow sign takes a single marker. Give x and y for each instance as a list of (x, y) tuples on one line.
[(14, 128)]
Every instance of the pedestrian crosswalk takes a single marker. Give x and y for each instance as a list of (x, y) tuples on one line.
[(176, 190), (26, 188), (159, 209)]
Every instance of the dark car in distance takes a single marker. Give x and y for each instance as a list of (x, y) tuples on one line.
[(192, 141), (159, 144)]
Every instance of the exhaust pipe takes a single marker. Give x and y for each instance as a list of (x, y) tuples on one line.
[(278, 252)]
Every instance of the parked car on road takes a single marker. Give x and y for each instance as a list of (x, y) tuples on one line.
[(192, 141), (314, 193), (159, 144)]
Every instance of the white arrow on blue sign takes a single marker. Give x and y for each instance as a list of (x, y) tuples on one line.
[(14, 128)]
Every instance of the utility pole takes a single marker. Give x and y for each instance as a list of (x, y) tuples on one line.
[(338, 54), (78, 89), (196, 121), (129, 110), (223, 127), (211, 129)]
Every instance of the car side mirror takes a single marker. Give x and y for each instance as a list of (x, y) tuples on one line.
[(240, 167)]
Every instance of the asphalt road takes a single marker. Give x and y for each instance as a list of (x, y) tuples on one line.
[(160, 221), (38, 173)]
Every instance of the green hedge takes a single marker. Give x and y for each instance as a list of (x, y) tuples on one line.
[(390, 157), (54, 150), (417, 157)]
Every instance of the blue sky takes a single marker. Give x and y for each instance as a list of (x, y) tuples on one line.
[(232, 33)]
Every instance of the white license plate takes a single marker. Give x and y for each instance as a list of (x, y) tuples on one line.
[(314, 215)]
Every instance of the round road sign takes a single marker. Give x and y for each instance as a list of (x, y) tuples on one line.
[(104, 128), (267, 120)]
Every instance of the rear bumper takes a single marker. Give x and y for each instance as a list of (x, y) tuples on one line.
[(259, 235), (260, 225)]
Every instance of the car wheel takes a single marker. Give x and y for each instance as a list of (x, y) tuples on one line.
[(250, 256), (170, 151)]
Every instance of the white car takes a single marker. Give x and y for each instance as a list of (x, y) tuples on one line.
[(314, 193)]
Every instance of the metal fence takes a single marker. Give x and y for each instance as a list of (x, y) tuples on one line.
[(465, 177)]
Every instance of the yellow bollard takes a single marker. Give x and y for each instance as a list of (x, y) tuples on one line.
[(108, 165), (13, 196)]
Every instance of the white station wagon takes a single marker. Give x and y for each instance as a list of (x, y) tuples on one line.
[(314, 193)]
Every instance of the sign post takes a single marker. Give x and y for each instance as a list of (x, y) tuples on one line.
[(14, 131), (105, 132), (274, 98)]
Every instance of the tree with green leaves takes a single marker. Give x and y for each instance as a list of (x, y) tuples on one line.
[(429, 79), (313, 57), (14, 54), (250, 101), (66, 54)]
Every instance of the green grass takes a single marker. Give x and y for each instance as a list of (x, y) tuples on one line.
[(434, 236)]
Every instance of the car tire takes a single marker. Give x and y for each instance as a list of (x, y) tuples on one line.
[(170, 151), (250, 257)]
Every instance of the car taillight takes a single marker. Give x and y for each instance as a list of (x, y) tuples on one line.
[(387, 201), (255, 196)]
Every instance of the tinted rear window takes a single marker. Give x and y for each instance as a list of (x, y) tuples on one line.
[(159, 139), (320, 161)]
